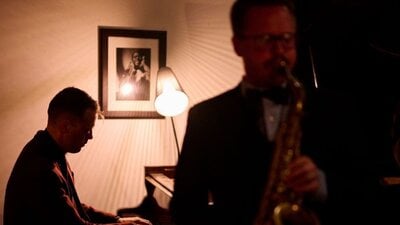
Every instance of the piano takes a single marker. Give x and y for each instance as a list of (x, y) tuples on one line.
[(160, 177), (159, 183)]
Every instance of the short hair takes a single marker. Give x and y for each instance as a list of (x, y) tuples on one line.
[(71, 100), (240, 8)]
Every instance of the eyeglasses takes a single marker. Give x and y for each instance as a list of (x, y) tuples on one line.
[(267, 41)]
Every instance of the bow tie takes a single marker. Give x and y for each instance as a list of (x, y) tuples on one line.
[(278, 95)]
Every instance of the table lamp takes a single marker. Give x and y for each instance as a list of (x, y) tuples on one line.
[(170, 99)]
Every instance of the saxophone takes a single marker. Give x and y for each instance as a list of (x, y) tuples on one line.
[(279, 205)]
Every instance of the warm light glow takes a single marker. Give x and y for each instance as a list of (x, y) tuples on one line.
[(126, 89), (171, 102)]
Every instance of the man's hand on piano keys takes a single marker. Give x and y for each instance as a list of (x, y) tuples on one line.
[(135, 220)]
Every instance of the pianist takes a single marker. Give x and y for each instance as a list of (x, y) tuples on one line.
[(41, 189)]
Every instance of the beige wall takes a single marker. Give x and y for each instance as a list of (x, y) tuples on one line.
[(48, 45)]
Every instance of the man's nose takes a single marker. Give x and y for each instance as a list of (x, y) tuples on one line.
[(277, 46)]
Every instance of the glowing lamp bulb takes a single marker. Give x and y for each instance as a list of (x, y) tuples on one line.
[(171, 102)]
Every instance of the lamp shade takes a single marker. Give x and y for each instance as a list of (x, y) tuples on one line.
[(170, 100)]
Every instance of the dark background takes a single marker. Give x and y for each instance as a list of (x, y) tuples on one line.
[(355, 45)]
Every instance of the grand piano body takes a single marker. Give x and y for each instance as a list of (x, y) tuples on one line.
[(159, 182)]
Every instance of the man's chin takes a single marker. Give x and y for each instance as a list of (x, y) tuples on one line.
[(75, 150), (280, 80)]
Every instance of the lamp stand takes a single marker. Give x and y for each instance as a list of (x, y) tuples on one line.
[(175, 136)]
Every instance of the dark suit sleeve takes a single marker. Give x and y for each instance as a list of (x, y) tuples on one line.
[(55, 204), (99, 216)]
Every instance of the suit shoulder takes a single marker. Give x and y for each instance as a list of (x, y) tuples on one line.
[(216, 103)]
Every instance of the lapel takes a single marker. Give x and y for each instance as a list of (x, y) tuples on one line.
[(65, 174)]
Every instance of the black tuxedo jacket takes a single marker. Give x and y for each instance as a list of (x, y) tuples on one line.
[(226, 157)]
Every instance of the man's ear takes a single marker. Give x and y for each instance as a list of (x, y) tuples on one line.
[(237, 45), (65, 125)]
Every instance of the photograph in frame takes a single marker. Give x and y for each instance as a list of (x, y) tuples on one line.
[(128, 63)]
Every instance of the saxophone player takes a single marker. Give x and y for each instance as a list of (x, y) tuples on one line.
[(227, 149)]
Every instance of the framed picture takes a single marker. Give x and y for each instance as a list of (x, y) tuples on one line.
[(128, 63)]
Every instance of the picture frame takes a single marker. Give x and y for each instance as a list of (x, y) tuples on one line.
[(128, 63)]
